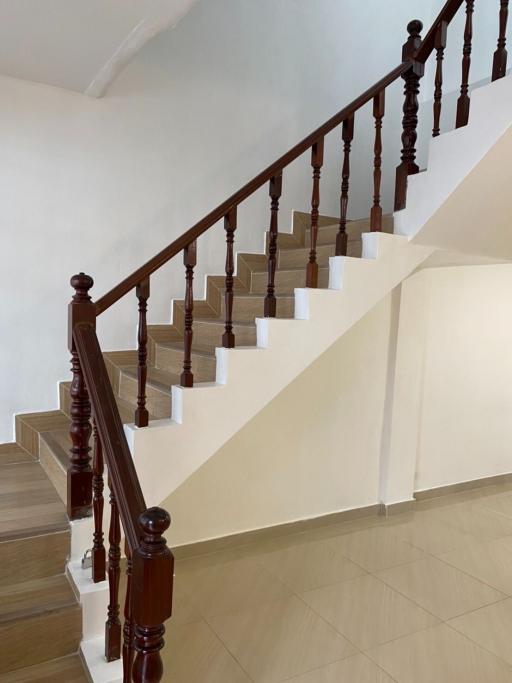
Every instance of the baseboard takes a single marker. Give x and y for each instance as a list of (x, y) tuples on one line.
[(244, 538), (463, 486)]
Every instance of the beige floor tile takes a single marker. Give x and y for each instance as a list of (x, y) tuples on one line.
[(311, 565), (356, 669), (280, 640), (440, 588), (423, 530), (230, 586), (367, 611), (489, 627), (489, 562), (377, 548), (476, 520), (501, 503), (440, 655), (194, 654)]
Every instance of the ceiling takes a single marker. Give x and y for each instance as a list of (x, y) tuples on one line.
[(79, 44)]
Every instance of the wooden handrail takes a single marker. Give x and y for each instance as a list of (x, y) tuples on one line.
[(447, 13), (248, 189), (118, 458)]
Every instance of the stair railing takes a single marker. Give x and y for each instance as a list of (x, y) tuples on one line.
[(148, 559)]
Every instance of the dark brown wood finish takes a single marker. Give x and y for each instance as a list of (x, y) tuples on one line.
[(189, 260), (317, 161), (128, 650), (347, 137), (275, 190), (113, 625), (141, 413), (412, 79), (379, 107), (464, 102), (79, 475), (98, 554), (441, 37), (499, 64), (149, 616), (228, 338)]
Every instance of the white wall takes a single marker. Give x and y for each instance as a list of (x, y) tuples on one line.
[(100, 186)]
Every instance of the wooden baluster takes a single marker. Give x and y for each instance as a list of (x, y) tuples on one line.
[(189, 260), (98, 548), (228, 338), (275, 190), (440, 45), (141, 414), (464, 102), (317, 160), (379, 106), (128, 624), (152, 581), (412, 79), (499, 65), (113, 625), (347, 136), (79, 475)]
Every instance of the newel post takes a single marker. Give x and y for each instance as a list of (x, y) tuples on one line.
[(412, 79), (151, 598), (79, 475)]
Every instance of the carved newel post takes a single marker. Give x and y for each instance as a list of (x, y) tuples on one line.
[(152, 582), (79, 476), (412, 79)]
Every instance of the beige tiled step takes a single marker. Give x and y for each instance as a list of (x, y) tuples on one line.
[(297, 258), (208, 333), (54, 457), (34, 557), (158, 390), (40, 620), (169, 357), (286, 280), (125, 408), (11, 453), (246, 308), (30, 425), (64, 670), (355, 229)]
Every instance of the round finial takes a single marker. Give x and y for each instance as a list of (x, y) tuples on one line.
[(82, 282), (155, 521), (414, 27)]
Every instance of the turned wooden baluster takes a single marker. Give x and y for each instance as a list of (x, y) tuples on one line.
[(347, 136), (275, 190), (440, 45), (79, 475), (317, 160), (189, 260), (141, 414), (228, 338), (379, 106), (499, 65), (464, 102), (98, 548), (152, 581), (113, 625), (128, 651), (412, 79)]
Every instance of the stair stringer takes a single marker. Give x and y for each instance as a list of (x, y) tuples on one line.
[(204, 418), (451, 159)]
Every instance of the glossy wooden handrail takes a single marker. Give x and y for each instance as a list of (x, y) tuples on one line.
[(117, 455), (248, 189), (446, 14)]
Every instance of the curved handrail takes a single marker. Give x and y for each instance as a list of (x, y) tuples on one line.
[(249, 188)]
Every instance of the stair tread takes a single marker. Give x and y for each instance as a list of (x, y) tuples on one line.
[(65, 670), (21, 600), (29, 503), (11, 453), (159, 379)]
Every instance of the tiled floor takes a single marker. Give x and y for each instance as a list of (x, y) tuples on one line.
[(422, 597)]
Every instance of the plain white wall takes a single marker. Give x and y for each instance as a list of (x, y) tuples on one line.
[(100, 186)]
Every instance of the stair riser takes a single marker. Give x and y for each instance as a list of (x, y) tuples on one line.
[(210, 334), (158, 402), (39, 638), (171, 360), (54, 470), (247, 310), (43, 556), (286, 281), (296, 258)]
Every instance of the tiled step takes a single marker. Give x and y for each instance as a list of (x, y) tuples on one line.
[(208, 333), (54, 457), (34, 557), (286, 280), (30, 425), (297, 258), (248, 307), (64, 670), (125, 408), (158, 390), (40, 620), (169, 357), (355, 229), (11, 453)]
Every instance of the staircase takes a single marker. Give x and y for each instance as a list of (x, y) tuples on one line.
[(159, 412)]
